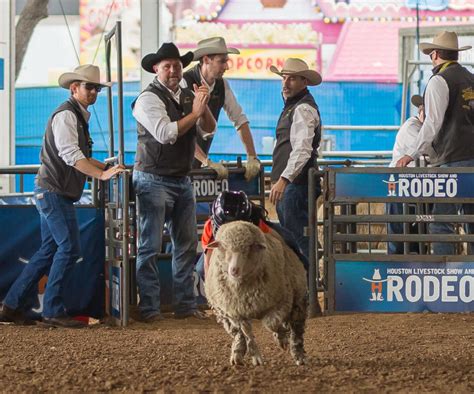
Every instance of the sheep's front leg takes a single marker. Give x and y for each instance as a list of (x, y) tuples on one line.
[(252, 348), (297, 325), (279, 330), (239, 344)]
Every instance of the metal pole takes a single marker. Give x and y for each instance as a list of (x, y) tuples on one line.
[(312, 258), (125, 254), (404, 93), (109, 98), (120, 92)]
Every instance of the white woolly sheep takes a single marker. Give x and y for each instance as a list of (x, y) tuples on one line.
[(253, 275)]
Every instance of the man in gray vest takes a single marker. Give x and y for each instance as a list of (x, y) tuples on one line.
[(65, 164), (448, 129), (213, 55), (168, 120), (298, 134)]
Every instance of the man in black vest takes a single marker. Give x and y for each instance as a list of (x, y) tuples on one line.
[(168, 120), (212, 54), (448, 129), (65, 163), (298, 134)]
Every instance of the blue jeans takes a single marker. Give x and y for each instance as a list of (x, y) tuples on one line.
[(167, 200), (394, 208), (59, 251), (448, 248), (292, 212)]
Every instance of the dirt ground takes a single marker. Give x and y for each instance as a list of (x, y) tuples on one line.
[(361, 352)]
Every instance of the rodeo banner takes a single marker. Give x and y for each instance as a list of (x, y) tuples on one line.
[(391, 184), (404, 287)]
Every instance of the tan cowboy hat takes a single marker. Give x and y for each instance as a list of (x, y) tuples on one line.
[(213, 46), (293, 66), (416, 100), (447, 40), (84, 73)]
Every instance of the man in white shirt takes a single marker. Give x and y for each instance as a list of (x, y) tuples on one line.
[(298, 134), (449, 123), (168, 120), (404, 143), (213, 55), (65, 164)]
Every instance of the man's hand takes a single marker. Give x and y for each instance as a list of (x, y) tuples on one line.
[(201, 98), (107, 174), (252, 167), (404, 161), (276, 193), (222, 172)]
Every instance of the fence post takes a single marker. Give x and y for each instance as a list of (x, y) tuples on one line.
[(314, 308)]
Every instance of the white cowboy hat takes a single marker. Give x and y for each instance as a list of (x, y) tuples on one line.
[(213, 46), (85, 73), (293, 66), (446, 40)]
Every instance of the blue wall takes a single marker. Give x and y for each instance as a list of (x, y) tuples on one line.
[(340, 103)]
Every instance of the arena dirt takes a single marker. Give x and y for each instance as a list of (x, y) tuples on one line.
[(406, 352)]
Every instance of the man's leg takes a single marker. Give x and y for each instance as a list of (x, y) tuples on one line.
[(394, 208), (443, 248), (25, 287), (292, 212), (61, 218), (183, 231), (153, 201)]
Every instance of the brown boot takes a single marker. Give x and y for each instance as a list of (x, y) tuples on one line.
[(66, 322), (9, 315)]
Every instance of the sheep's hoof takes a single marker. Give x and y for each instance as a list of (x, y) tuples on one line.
[(282, 341), (236, 359), (301, 360), (257, 360)]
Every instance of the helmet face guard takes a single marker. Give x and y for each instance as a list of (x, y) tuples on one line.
[(230, 206)]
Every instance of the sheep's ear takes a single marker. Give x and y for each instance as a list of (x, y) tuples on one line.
[(213, 245), (257, 246)]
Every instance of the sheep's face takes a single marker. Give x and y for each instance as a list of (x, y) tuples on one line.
[(242, 263), (240, 246)]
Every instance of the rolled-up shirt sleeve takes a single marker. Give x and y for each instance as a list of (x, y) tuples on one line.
[(64, 126), (232, 108), (436, 102), (305, 120), (150, 112)]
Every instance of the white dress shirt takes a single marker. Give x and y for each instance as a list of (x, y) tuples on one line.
[(305, 120), (405, 140), (150, 112), (231, 107), (436, 102), (66, 139)]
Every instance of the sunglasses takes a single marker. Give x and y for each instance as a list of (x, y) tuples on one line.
[(433, 51), (91, 86)]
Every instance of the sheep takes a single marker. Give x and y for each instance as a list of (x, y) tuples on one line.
[(253, 275)]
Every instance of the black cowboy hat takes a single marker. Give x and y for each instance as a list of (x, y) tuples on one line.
[(167, 51)]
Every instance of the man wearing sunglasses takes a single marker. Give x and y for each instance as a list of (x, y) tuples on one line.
[(65, 164), (448, 127)]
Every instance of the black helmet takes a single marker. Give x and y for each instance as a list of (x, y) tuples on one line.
[(229, 206)]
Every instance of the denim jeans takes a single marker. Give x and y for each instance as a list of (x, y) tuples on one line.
[(167, 200), (59, 251), (448, 248), (394, 208), (292, 212)]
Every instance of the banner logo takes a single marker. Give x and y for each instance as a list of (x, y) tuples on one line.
[(376, 285), (422, 185)]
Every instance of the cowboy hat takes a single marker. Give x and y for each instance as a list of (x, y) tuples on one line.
[(213, 46), (446, 40), (85, 73), (293, 66), (167, 51), (416, 100)]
